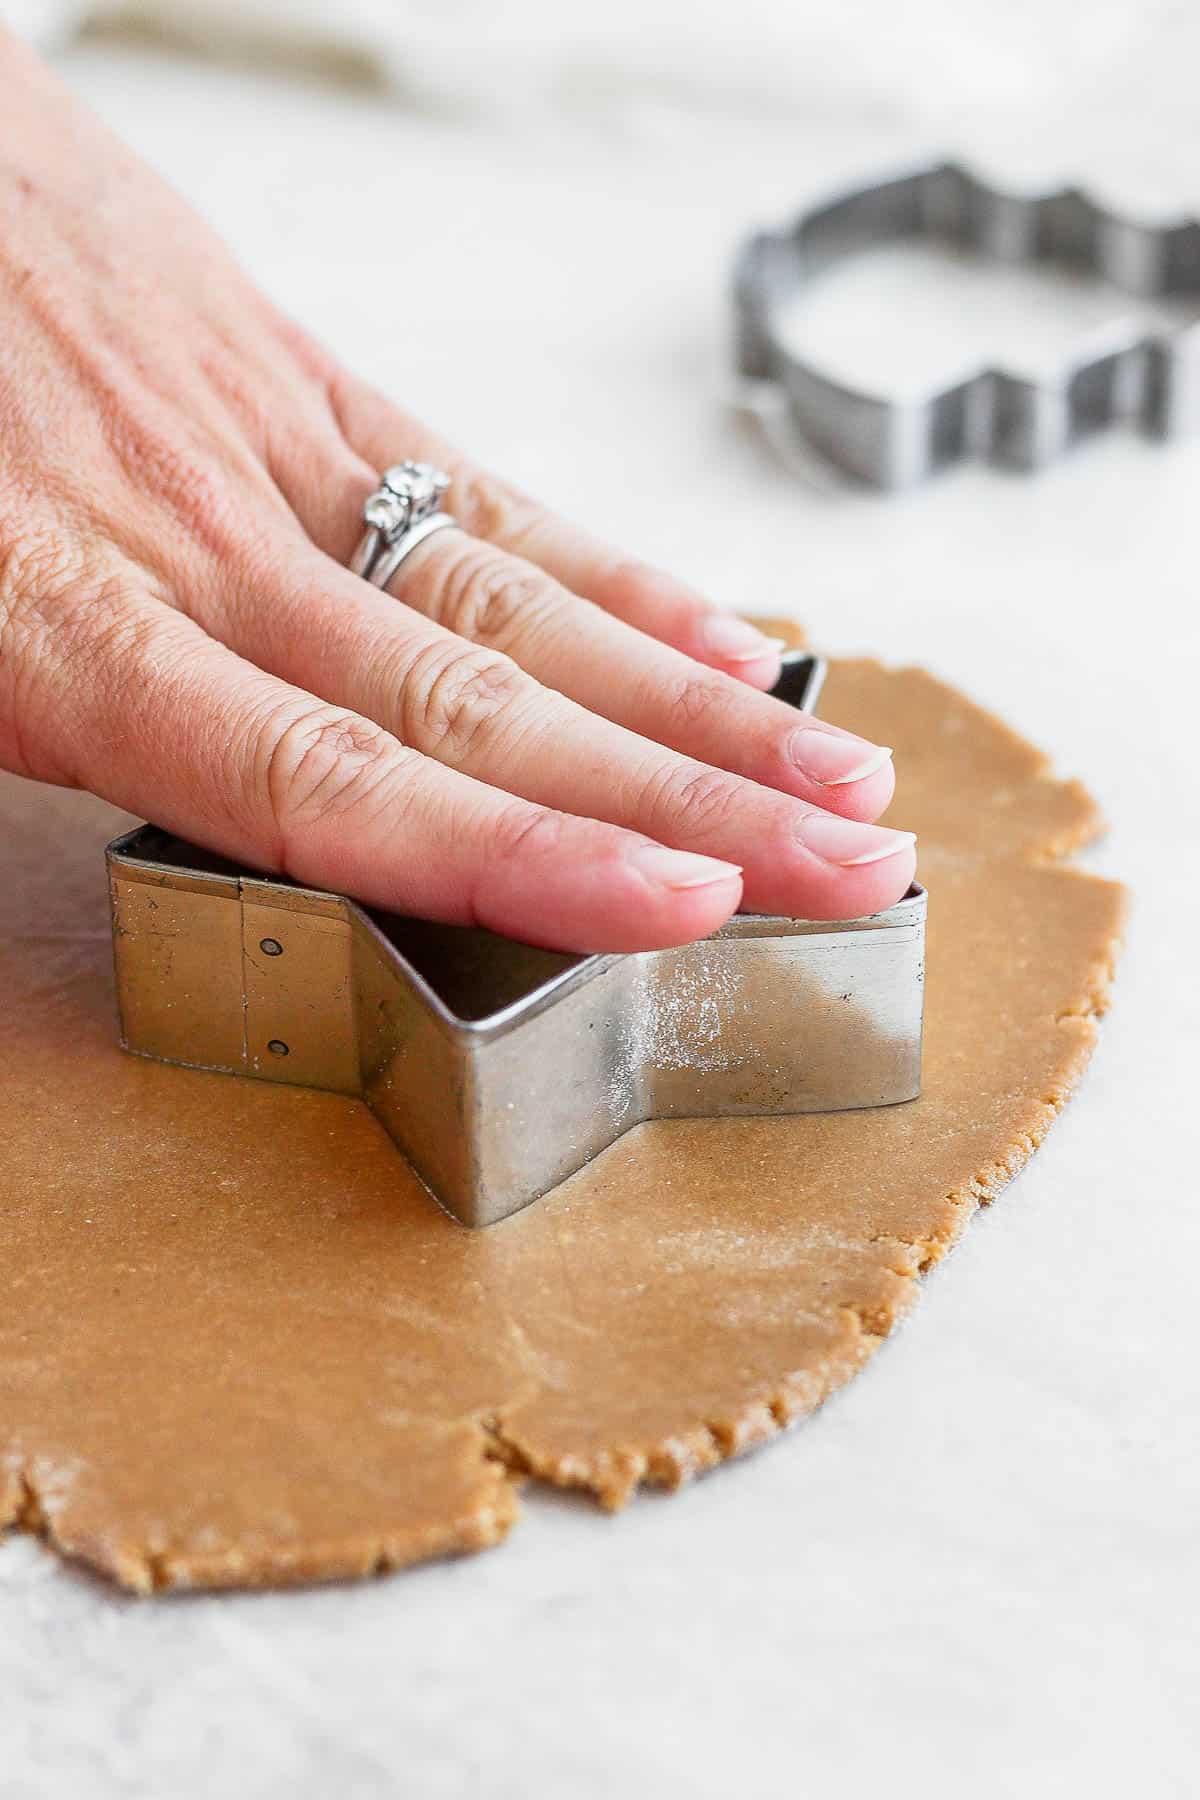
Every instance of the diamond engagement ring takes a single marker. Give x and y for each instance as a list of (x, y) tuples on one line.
[(403, 511)]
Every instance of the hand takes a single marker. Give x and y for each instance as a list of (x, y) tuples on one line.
[(536, 734)]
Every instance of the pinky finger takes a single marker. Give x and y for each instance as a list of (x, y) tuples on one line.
[(632, 591)]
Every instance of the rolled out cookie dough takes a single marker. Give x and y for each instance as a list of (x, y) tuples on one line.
[(240, 1345)]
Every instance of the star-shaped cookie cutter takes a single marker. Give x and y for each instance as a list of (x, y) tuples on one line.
[(499, 1069), (1152, 377)]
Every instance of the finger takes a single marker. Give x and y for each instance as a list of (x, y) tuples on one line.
[(610, 667), (477, 711), (634, 592), (178, 728), (503, 603), (489, 508)]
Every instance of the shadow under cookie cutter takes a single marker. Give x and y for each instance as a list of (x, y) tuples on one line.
[(496, 1068), (1150, 377)]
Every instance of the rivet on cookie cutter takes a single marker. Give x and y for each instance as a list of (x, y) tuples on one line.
[(1152, 378), (497, 1069)]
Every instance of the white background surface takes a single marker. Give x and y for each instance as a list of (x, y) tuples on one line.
[(976, 1571)]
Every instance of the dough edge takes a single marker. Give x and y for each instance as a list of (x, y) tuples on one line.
[(493, 1452)]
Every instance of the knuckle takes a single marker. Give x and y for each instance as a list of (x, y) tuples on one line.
[(180, 476), (454, 696), (321, 766), (62, 599), (524, 830), (43, 571), (489, 508), (239, 384), (202, 499), (310, 356), (74, 625), (354, 405), (695, 696), (488, 597), (697, 799)]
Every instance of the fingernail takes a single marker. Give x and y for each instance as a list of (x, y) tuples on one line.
[(733, 640), (681, 869), (834, 760), (848, 844)]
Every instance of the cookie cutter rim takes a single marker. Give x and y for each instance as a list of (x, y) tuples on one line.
[(223, 969), (1019, 421)]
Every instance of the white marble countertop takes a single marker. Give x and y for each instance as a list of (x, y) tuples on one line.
[(976, 1571)]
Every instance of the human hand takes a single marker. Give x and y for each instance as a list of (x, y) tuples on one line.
[(535, 734)]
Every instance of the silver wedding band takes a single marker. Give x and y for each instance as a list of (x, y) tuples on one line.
[(402, 512)]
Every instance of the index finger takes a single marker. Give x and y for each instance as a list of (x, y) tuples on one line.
[(175, 726)]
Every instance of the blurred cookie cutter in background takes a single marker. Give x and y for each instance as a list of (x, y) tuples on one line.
[(496, 1068), (1151, 377)]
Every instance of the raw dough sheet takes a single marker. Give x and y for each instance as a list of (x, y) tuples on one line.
[(240, 1345)]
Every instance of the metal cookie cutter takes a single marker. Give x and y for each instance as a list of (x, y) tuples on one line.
[(1152, 378), (499, 1069)]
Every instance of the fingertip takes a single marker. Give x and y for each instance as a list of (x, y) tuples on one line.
[(615, 892), (856, 893), (681, 919), (865, 800), (681, 871), (760, 671), (735, 646), (664, 896), (885, 883), (844, 774)]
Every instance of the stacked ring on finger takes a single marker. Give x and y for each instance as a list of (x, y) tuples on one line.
[(401, 513)]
